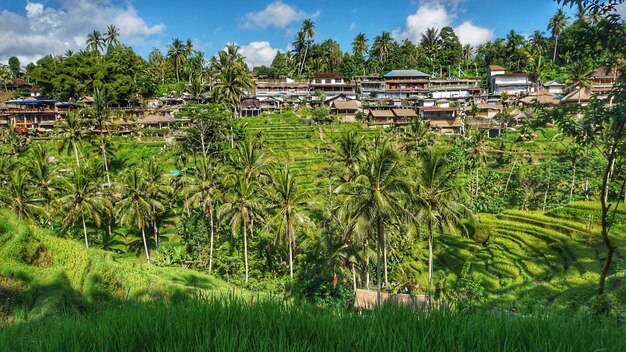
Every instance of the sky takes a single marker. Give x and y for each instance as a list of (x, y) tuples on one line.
[(30, 29)]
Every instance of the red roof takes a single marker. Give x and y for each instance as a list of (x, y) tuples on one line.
[(496, 68), (331, 75)]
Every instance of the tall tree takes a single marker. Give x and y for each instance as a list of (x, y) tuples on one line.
[(17, 195), (136, 207), (95, 42), (436, 199), (70, 133), (382, 46), (240, 207), (177, 53), (81, 197), (375, 195), (201, 191), (557, 24), (287, 201), (359, 45), (112, 36), (307, 32)]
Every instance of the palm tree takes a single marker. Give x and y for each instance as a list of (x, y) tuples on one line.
[(251, 159), (359, 45), (476, 155), (431, 42), (201, 190), (287, 201), (70, 132), (382, 46), (579, 72), (112, 35), (436, 199), (81, 197), (177, 52), (241, 207), (308, 32), (101, 118), (95, 42), (375, 196), (137, 206), (44, 176), (350, 152), (159, 191), (17, 195), (557, 24)]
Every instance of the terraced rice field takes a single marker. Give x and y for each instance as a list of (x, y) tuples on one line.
[(526, 257)]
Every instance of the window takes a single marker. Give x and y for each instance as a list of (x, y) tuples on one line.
[(337, 81), (318, 81), (329, 81)]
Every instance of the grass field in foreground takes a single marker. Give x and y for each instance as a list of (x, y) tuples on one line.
[(269, 325)]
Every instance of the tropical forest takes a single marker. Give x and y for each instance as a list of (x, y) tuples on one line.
[(394, 195)]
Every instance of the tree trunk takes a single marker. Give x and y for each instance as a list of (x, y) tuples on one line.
[(606, 207), (556, 45), (510, 175), (85, 230), (378, 249), (545, 197), (385, 258), (156, 233), (76, 154), (211, 245), (430, 262), (353, 277), (106, 164), (289, 239), (571, 189), (245, 250), (145, 243), (367, 266)]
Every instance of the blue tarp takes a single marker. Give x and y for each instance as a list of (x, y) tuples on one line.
[(32, 101)]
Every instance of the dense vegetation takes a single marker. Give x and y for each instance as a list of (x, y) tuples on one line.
[(502, 230)]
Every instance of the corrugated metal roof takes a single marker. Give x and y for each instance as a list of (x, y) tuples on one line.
[(406, 73)]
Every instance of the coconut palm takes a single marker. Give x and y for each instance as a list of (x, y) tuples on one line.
[(18, 195), (436, 199), (579, 72), (201, 190), (70, 133), (158, 190), (102, 120), (476, 154), (81, 197), (95, 42), (177, 52), (359, 45), (431, 42), (382, 46), (307, 32), (137, 206), (350, 152), (240, 208), (250, 159), (287, 201), (44, 176), (375, 196), (111, 38), (557, 24)]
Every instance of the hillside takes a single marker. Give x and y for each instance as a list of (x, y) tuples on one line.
[(43, 274)]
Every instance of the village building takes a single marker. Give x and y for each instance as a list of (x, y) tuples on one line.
[(26, 114), (456, 89), (554, 87), (544, 98), (381, 117), (287, 91), (330, 85), (441, 116), (250, 107), (345, 107), (500, 82), (370, 87), (406, 84)]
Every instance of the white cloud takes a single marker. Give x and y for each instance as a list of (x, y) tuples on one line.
[(352, 27), (438, 14), (277, 14), (258, 54), (53, 30), (473, 35)]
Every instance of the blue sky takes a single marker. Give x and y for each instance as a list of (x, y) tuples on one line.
[(37, 27)]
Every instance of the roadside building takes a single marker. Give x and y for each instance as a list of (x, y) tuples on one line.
[(516, 84)]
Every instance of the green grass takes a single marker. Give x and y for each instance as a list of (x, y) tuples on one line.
[(44, 275), (234, 324)]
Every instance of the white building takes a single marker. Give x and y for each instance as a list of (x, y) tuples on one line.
[(511, 83)]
